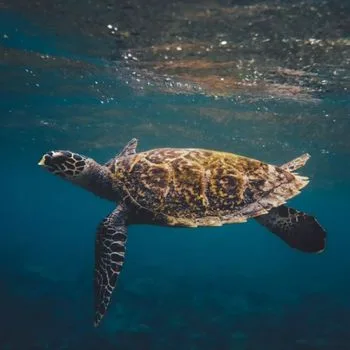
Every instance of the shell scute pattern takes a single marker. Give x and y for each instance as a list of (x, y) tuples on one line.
[(188, 183), (146, 182), (226, 186), (187, 192), (203, 187)]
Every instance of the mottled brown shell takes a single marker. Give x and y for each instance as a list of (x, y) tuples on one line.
[(196, 187)]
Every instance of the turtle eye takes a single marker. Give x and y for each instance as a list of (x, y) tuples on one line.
[(56, 160)]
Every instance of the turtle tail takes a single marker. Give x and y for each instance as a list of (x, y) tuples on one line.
[(299, 230)]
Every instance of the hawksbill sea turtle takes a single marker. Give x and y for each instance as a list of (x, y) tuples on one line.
[(184, 187)]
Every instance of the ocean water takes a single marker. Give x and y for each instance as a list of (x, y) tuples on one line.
[(66, 84)]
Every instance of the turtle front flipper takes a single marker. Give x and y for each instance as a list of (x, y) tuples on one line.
[(111, 238), (128, 150), (297, 229)]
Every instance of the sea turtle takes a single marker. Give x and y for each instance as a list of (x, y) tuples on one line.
[(185, 187)]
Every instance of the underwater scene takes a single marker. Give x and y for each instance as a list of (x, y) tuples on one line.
[(267, 80)]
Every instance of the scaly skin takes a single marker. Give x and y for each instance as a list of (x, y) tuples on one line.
[(82, 171)]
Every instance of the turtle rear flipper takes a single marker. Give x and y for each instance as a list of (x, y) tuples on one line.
[(296, 163), (299, 230)]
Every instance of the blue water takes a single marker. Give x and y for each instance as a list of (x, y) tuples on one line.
[(232, 287)]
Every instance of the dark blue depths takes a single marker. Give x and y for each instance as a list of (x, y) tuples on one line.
[(234, 287)]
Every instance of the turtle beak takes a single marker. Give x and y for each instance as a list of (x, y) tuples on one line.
[(45, 160), (42, 161)]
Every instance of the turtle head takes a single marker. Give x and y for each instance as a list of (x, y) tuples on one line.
[(65, 164), (81, 171)]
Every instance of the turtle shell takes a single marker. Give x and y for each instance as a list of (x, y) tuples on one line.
[(197, 187)]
